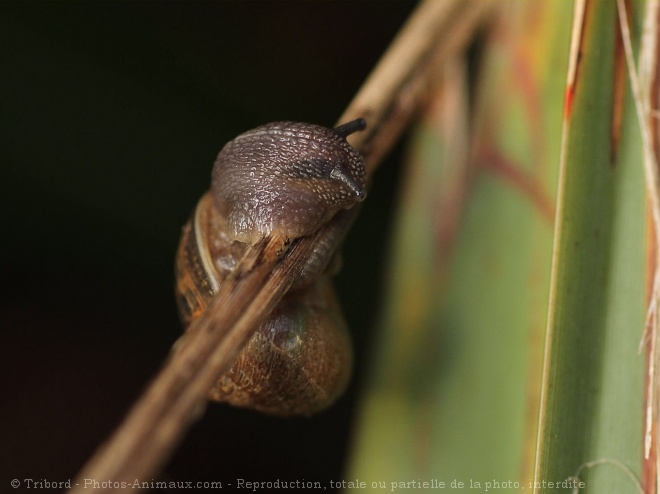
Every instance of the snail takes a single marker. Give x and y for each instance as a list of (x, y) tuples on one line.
[(286, 179)]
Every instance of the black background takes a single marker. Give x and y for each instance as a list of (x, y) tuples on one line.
[(110, 118)]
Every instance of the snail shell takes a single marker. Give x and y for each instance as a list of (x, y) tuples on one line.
[(283, 179)]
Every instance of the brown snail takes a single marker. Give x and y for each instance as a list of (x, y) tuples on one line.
[(286, 179)]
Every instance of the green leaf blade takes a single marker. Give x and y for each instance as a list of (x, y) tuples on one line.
[(592, 388)]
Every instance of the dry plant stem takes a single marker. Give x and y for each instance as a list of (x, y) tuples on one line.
[(649, 74), (177, 396), (396, 87), (645, 84)]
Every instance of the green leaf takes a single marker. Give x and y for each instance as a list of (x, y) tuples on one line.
[(453, 395), (457, 380), (592, 388)]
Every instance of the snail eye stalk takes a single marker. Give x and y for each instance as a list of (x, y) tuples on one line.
[(351, 127)]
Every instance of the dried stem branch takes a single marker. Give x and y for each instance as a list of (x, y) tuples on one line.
[(641, 82), (177, 396), (645, 84)]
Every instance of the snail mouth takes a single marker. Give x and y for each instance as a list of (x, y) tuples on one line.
[(338, 174)]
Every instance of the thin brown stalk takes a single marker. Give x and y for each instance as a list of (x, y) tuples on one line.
[(645, 86), (176, 397)]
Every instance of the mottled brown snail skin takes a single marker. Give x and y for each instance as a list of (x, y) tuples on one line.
[(285, 178), (279, 179)]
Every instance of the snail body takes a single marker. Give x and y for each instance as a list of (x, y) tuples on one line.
[(285, 179)]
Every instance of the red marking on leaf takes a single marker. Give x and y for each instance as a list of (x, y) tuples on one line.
[(522, 181), (568, 101)]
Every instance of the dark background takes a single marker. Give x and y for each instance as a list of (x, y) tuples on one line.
[(110, 118)]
